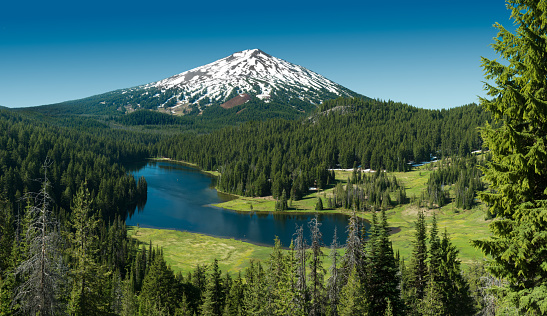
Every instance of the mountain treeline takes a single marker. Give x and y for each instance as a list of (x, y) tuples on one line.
[(82, 265), (462, 174), (267, 157), (74, 155)]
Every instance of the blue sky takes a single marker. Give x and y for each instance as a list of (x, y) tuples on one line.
[(424, 53)]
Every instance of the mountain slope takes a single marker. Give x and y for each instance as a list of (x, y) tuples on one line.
[(238, 78)]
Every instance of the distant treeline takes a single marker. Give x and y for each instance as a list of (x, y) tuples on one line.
[(86, 150), (266, 157)]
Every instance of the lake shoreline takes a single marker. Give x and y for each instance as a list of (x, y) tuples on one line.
[(255, 200), (182, 197)]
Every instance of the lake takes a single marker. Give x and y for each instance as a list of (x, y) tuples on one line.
[(180, 198)]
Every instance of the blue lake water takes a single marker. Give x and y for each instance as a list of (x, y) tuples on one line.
[(180, 198)]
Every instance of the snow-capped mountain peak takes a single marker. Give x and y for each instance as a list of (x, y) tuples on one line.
[(251, 72)]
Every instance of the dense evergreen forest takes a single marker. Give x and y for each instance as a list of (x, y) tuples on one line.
[(261, 158), (64, 186), (64, 196)]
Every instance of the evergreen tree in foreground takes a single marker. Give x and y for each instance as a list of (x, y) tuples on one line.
[(382, 270), (42, 271), (416, 276), (87, 281), (518, 171)]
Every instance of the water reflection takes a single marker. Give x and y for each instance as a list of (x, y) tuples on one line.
[(180, 197)]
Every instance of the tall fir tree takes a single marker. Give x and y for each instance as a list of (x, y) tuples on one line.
[(234, 298), (517, 173), (254, 300), (353, 299), (416, 274), (383, 280), (354, 254), (333, 282), (86, 297), (159, 288), (456, 296), (317, 272), (213, 298), (301, 257)]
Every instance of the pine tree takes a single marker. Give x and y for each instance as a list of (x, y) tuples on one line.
[(213, 298), (382, 284), (434, 250), (453, 286), (234, 299), (254, 300), (42, 268), (159, 288), (301, 256), (353, 300), (433, 302), (333, 282), (353, 257), (317, 272), (416, 278), (130, 304), (85, 297), (281, 280), (319, 204), (519, 156), (7, 235)]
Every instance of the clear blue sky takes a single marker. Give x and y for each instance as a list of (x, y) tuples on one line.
[(425, 53)]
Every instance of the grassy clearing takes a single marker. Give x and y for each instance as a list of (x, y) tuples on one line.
[(183, 251), (461, 225)]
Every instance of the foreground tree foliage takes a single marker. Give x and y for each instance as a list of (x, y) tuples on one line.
[(517, 173), (41, 270)]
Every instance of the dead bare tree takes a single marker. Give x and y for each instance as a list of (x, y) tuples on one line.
[(41, 272)]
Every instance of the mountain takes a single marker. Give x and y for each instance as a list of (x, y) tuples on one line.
[(246, 76)]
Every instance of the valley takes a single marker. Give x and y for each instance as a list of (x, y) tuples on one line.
[(233, 255), (239, 188)]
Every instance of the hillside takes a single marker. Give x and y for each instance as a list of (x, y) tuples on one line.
[(274, 84)]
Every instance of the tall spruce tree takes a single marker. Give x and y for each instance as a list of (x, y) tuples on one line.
[(254, 300), (353, 300), (382, 271), (418, 263), (454, 287), (213, 298), (86, 297), (518, 171), (317, 272), (415, 278), (333, 282), (353, 257), (301, 257), (159, 288), (281, 280)]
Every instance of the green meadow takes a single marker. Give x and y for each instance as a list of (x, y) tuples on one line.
[(184, 250)]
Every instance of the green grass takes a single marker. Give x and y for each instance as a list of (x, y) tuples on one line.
[(462, 225), (183, 251)]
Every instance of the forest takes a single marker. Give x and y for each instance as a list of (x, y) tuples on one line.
[(65, 194)]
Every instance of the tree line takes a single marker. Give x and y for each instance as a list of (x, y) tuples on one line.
[(83, 265), (261, 158)]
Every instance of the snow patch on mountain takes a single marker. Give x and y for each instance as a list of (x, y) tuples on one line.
[(250, 71)]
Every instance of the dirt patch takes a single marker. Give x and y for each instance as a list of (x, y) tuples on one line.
[(235, 101), (413, 211)]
